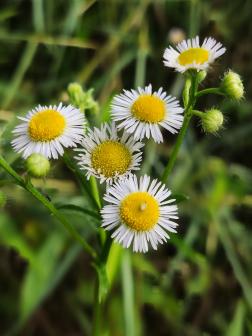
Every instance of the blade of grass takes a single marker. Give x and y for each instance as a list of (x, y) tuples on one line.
[(113, 42), (128, 294), (23, 65), (38, 15)]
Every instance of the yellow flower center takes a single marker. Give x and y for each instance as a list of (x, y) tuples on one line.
[(195, 54), (149, 108), (111, 157), (140, 211), (46, 125)]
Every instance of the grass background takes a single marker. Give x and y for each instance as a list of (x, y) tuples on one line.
[(200, 282)]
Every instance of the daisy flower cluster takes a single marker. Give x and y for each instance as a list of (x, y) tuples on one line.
[(141, 212)]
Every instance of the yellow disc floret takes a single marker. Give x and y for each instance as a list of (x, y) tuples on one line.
[(149, 108), (111, 157), (195, 54), (140, 211), (46, 125)]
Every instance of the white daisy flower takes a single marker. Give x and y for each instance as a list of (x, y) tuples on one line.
[(48, 129), (108, 157), (144, 112), (140, 213), (192, 56)]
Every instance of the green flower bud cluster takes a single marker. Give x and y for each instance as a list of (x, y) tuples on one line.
[(232, 86), (37, 165), (2, 199), (212, 120), (83, 100)]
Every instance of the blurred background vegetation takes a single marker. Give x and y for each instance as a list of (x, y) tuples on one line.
[(200, 283)]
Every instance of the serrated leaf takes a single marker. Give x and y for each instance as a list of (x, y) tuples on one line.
[(178, 198), (103, 279)]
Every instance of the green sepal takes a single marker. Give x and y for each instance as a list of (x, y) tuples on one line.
[(186, 91)]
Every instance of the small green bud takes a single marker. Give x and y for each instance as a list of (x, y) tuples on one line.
[(2, 199), (212, 121), (83, 100), (37, 165), (232, 86), (202, 75), (76, 94)]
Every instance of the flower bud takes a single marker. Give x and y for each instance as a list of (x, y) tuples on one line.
[(2, 199), (83, 100), (232, 86), (37, 165), (76, 93), (212, 121), (202, 75)]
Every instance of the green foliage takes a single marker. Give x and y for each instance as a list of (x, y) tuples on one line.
[(178, 198), (199, 282), (103, 280)]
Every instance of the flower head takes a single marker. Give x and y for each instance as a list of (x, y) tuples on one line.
[(232, 86), (37, 165), (108, 157), (47, 130), (140, 213), (145, 111), (193, 56), (212, 121)]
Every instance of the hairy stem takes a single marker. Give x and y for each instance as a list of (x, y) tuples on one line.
[(206, 91), (176, 149), (198, 113), (188, 113), (29, 187)]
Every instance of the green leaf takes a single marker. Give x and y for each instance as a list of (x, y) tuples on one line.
[(5, 182), (237, 325), (77, 208), (178, 198), (37, 278), (249, 326), (10, 236), (103, 279)]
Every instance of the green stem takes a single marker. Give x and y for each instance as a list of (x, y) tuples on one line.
[(29, 187), (187, 117), (96, 326), (82, 181), (9, 170), (176, 149), (198, 113), (206, 91), (95, 190), (97, 303)]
